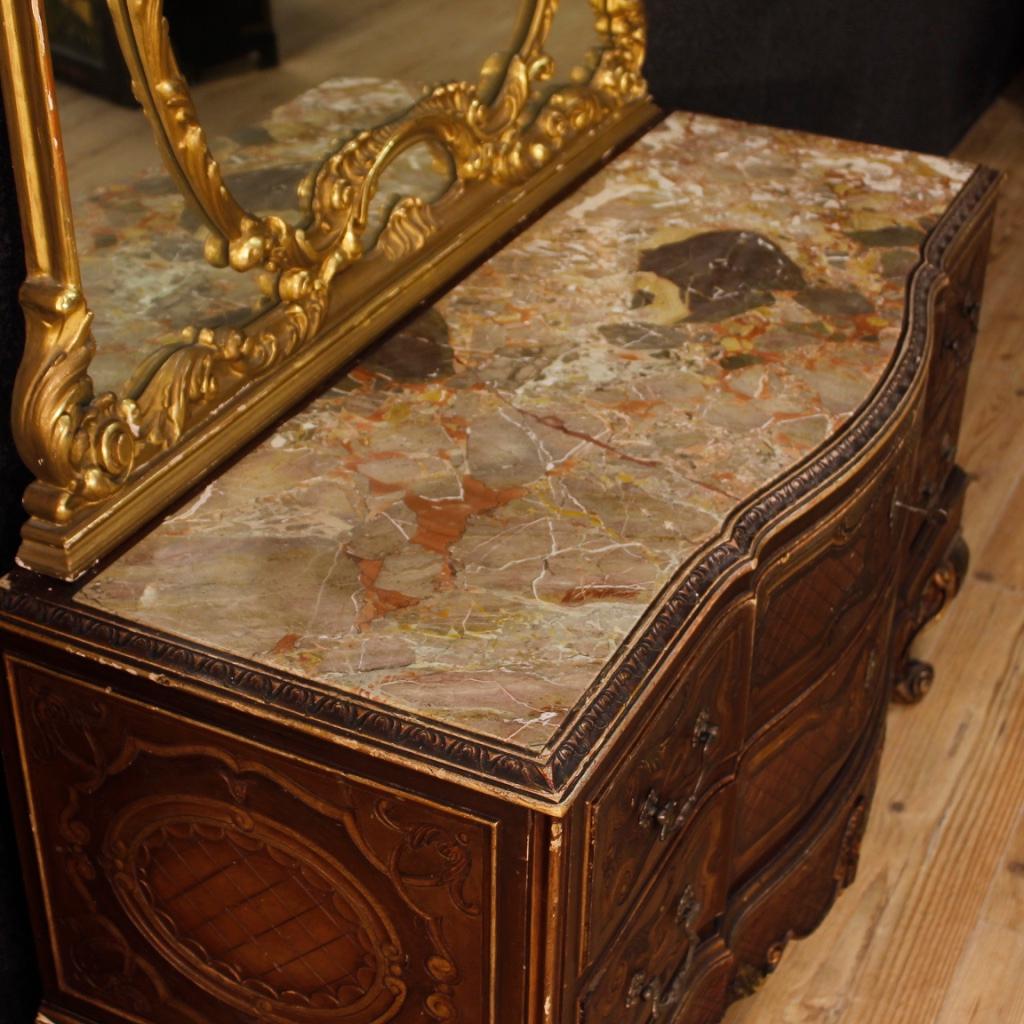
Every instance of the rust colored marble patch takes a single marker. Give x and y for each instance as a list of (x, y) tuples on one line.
[(470, 522)]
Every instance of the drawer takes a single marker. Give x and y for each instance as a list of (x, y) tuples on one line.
[(957, 315), (791, 896), (645, 973), (937, 453), (934, 537), (707, 991), (793, 762), (653, 793), (815, 599)]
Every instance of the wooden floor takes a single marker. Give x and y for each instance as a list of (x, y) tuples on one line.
[(932, 932)]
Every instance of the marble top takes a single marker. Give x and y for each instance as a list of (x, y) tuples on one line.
[(469, 523)]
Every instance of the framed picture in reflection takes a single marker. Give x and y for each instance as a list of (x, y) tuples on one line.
[(206, 36)]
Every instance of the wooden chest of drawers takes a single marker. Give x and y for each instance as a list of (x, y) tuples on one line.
[(211, 837)]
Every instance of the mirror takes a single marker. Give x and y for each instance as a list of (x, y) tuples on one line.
[(273, 105), (292, 180)]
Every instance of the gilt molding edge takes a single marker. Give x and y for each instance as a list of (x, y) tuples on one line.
[(591, 724)]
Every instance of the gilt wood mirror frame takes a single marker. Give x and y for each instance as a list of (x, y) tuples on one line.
[(106, 463)]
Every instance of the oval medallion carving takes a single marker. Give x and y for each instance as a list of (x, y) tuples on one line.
[(250, 912)]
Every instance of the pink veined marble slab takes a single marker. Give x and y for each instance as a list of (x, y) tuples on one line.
[(470, 522)]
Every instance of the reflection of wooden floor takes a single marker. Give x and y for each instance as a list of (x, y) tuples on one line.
[(932, 932), (414, 40)]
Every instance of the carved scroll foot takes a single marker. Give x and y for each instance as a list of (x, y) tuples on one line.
[(750, 977), (913, 678), (913, 682)]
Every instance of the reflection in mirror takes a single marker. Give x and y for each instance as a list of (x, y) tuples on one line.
[(231, 313), (277, 91), (573, 46)]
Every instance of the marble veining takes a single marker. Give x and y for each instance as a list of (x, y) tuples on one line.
[(469, 522)]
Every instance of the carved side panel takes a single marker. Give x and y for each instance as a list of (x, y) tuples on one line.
[(194, 877)]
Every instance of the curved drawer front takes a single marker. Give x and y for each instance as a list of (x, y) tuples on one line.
[(793, 893), (815, 598), (654, 791), (957, 315), (791, 764), (645, 974)]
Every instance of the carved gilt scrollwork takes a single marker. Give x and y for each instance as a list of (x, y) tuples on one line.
[(485, 140), (86, 448)]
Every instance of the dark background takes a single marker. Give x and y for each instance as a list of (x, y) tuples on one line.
[(913, 74), (910, 73)]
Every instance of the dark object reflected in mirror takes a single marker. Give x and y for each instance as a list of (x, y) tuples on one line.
[(206, 36)]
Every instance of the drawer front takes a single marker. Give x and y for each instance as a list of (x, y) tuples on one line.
[(957, 315), (790, 766), (708, 987), (193, 877), (791, 896), (815, 599), (653, 794), (645, 974), (937, 453)]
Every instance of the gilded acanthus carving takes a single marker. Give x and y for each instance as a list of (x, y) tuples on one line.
[(484, 141), (79, 443)]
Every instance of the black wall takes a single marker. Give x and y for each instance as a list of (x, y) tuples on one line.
[(910, 73)]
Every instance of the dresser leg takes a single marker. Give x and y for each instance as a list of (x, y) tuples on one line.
[(913, 678)]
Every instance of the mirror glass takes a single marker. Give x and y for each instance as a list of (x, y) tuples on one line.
[(228, 200), (278, 87)]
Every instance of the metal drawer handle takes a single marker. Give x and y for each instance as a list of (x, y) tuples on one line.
[(937, 516), (705, 733), (643, 989), (669, 816), (960, 345), (688, 908)]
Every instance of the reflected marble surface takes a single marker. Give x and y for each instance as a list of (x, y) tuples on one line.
[(141, 247), (470, 522)]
